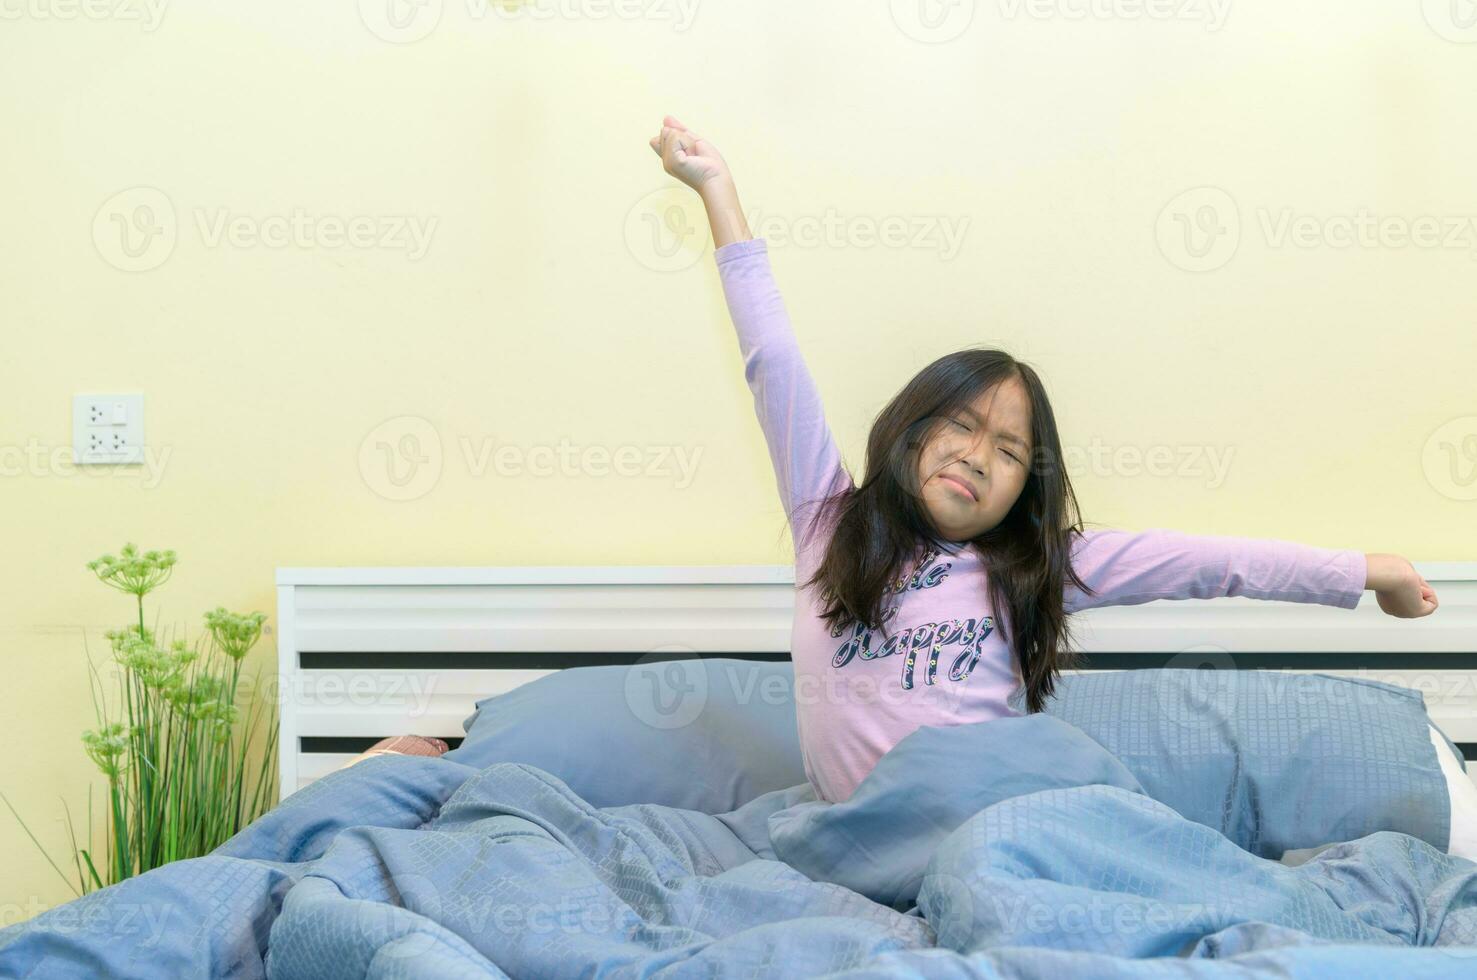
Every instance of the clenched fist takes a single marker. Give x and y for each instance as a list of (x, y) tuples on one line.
[(1398, 587), (687, 156)]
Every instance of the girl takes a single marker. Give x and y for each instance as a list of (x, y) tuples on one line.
[(961, 544)]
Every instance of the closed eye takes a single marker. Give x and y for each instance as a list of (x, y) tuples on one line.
[(966, 428)]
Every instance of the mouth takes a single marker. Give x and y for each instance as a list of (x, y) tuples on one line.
[(960, 485)]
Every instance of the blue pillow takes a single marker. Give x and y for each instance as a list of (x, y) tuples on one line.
[(699, 734), (1274, 761)]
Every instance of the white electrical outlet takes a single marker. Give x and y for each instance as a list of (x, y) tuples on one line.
[(107, 429)]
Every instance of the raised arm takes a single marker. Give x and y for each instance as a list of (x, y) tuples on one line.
[(807, 462), (1125, 568)]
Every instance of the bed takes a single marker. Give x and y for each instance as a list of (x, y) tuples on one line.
[(372, 652), (570, 834)]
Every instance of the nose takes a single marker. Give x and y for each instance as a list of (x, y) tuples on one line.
[(976, 456)]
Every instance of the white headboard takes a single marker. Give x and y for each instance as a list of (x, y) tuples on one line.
[(370, 652)]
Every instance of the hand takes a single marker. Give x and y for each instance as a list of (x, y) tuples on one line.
[(1398, 587), (687, 156)]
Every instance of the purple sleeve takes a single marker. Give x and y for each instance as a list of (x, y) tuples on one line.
[(1128, 567), (807, 463)]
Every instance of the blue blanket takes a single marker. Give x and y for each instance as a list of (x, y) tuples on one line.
[(403, 867)]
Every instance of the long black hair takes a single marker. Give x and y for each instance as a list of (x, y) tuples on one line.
[(879, 525)]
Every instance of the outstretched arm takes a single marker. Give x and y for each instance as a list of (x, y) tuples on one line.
[(1130, 567), (807, 462)]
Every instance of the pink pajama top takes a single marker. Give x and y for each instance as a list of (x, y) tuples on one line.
[(945, 661)]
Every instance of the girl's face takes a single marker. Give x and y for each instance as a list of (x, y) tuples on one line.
[(973, 470)]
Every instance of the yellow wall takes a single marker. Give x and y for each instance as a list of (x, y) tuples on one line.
[(1336, 378)]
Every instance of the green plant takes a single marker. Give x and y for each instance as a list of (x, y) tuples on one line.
[(180, 782)]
